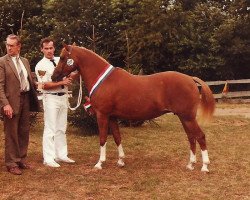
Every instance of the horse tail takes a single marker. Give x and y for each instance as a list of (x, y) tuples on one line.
[(207, 103)]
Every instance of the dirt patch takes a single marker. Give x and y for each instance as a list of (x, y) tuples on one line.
[(233, 110)]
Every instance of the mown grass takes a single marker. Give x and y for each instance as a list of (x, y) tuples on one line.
[(156, 157)]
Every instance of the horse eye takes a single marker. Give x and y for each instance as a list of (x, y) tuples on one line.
[(70, 62), (61, 58)]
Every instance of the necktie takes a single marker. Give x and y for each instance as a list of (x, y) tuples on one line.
[(23, 80), (54, 63)]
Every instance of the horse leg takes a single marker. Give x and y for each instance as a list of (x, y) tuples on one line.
[(117, 137), (192, 157), (102, 121), (195, 133), (192, 142)]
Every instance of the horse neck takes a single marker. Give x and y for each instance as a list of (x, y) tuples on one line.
[(91, 67)]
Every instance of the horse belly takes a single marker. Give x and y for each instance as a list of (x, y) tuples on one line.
[(142, 106), (138, 114)]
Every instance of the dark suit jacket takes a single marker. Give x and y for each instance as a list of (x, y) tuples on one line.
[(10, 85)]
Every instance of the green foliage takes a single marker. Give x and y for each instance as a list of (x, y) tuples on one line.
[(204, 38), (13, 15), (83, 121), (209, 39), (80, 118)]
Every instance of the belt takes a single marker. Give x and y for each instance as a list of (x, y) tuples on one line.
[(58, 94)]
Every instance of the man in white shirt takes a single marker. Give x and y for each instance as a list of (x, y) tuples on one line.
[(55, 104)]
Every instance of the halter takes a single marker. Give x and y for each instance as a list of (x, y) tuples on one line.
[(69, 62)]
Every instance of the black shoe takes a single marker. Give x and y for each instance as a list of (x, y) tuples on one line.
[(14, 170), (23, 165)]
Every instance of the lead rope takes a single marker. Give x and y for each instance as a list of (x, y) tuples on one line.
[(79, 97)]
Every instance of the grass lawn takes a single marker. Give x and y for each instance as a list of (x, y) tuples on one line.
[(156, 156)]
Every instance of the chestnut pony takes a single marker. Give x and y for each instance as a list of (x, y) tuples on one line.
[(116, 94)]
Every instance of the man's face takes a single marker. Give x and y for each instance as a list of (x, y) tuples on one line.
[(12, 47), (48, 50)]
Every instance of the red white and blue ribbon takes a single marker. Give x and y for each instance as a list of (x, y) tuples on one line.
[(87, 105), (101, 78)]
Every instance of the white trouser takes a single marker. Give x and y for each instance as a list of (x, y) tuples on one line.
[(55, 124)]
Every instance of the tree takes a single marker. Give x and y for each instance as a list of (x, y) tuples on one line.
[(233, 37), (15, 18)]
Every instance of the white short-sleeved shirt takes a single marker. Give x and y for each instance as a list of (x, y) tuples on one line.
[(47, 66)]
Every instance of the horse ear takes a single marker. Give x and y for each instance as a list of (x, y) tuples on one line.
[(66, 46), (74, 44)]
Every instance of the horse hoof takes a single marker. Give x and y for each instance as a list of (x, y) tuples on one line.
[(98, 166), (190, 166), (120, 163), (205, 171), (204, 168)]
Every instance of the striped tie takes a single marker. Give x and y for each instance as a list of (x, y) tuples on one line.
[(23, 80)]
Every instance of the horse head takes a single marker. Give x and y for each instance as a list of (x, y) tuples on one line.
[(66, 64)]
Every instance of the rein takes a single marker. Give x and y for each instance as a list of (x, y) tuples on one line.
[(70, 62), (79, 100)]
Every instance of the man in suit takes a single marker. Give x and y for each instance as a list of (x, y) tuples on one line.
[(17, 98)]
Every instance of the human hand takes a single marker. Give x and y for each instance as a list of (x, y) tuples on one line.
[(67, 81), (74, 75), (8, 111), (39, 86)]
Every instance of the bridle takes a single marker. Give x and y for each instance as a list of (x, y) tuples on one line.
[(69, 62)]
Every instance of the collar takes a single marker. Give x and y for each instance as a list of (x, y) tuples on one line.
[(48, 58), (15, 57)]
